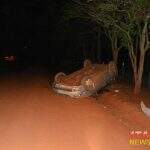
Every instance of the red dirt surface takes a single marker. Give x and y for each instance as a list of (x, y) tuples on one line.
[(122, 104), (33, 117)]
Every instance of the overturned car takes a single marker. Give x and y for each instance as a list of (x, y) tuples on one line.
[(86, 81)]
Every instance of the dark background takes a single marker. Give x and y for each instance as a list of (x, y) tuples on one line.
[(33, 31), (27, 28)]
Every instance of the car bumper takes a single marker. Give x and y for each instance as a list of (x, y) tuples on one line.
[(72, 91)]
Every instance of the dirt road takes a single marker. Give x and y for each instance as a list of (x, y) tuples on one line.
[(33, 117)]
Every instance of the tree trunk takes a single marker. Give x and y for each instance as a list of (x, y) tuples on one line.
[(138, 75), (115, 58), (137, 87), (115, 49)]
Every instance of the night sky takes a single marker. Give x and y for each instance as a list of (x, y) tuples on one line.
[(28, 27)]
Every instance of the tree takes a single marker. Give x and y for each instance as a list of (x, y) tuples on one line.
[(134, 26), (102, 13), (127, 25)]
